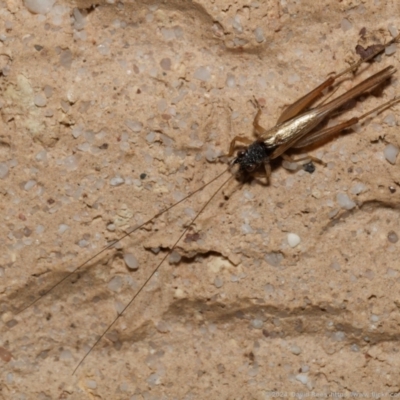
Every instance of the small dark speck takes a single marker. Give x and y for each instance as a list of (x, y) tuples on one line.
[(138, 91), (38, 47), (50, 201), (392, 189), (363, 31), (309, 167), (350, 170), (143, 176), (48, 317), (104, 146)]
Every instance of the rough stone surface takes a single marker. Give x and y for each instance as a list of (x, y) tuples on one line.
[(186, 337)]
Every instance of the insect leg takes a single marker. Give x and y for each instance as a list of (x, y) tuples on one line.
[(288, 158), (235, 140)]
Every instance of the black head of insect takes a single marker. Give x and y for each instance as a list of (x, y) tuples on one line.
[(252, 157)]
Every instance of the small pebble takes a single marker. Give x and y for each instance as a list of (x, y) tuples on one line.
[(91, 384), (259, 34), (303, 378), (257, 323), (346, 25), (391, 49), (134, 126), (392, 237), (391, 153), (202, 74), (62, 228), (115, 283), (131, 261), (354, 348), (293, 239), (358, 188), (3, 170), (29, 185), (273, 259), (174, 258), (39, 6), (295, 350), (345, 201), (40, 100), (117, 181), (218, 282)]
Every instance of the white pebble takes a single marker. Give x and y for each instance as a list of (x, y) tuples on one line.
[(393, 30), (83, 243), (230, 80), (115, 284), (346, 25), (273, 259), (29, 185), (391, 49), (295, 350), (117, 181), (134, 126), (303, 378), (338, 336), (246, 229), (358, 188), (210, 154), (151, 136), (374, 318), (259, 34), (391, 153), (174, 258), (62, 228), (39, 6), (345, 201), (71, 163), (202, 74), (41, 156), (80, 20), (111, 227), (390, 120), (3, 170), (218, 282), (257, 323), (131, 261), (40, 100), (91, 384), (293, 239)]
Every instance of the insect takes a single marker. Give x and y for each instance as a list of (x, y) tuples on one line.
[(296, 128)]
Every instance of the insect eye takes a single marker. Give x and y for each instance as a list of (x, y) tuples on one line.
[(250, 168), (241, 153)]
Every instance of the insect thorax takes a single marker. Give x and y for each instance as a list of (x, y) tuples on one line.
[(253, 156)]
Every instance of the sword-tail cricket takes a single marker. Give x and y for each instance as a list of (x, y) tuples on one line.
[(299, 126)]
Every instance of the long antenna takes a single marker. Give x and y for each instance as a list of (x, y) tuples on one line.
[(155, 270), (119, 239)]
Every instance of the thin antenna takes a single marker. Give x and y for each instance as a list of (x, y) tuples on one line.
[(154, 271), (119, 239)]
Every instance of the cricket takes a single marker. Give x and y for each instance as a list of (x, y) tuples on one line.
[(299, 126)]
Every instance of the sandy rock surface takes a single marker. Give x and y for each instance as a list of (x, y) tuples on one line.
[(112, 111)]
